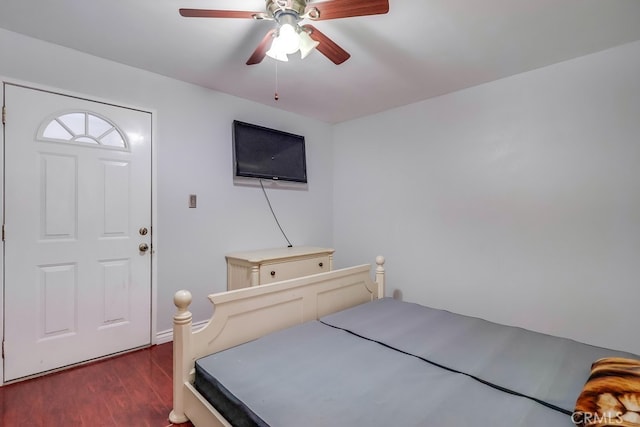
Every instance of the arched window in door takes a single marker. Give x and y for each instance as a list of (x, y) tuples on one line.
[(83, 127)]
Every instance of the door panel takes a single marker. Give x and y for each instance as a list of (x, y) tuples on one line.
[(78, 188)]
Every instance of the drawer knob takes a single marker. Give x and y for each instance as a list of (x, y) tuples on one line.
[(320, 264), (273, 273)]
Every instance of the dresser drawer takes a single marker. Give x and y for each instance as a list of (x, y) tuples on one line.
[(275, 272)]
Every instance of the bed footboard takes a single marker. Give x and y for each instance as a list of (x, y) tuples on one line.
[(246, 314)]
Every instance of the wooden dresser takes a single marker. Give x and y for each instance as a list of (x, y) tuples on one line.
[(253, 268)]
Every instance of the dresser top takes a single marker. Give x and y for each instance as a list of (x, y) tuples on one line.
[(262, 255)]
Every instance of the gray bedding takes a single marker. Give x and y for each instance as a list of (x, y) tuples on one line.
[(377, 365)]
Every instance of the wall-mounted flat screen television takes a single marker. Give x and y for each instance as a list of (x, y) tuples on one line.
[(260, 152)]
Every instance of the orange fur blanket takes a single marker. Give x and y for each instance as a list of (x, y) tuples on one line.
[(611, 396)]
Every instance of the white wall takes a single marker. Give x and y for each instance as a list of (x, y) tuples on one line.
[(517, 201), (193, 143)]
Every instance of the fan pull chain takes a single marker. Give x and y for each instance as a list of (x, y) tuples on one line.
[(276, 96)]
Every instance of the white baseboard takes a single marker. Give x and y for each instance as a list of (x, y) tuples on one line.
[(167, 335)]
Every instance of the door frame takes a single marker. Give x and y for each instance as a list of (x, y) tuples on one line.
[(154, 199)]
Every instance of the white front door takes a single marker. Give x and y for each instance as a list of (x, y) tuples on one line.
[(77, 203)]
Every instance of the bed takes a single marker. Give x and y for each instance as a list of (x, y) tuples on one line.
[(330, 349)]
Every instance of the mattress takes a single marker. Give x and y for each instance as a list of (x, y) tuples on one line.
[(548, 369), (394, 363)]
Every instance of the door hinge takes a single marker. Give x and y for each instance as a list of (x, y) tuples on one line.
[(4, 114), (3, 232), (3, 349)]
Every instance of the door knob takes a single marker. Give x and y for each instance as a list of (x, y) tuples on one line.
[(143, 247)]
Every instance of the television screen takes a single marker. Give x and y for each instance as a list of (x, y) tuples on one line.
[(260, 152)]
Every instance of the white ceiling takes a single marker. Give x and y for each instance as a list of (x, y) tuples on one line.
[(420, 49)]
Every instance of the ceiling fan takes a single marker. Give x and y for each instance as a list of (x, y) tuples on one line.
[(289, 36)]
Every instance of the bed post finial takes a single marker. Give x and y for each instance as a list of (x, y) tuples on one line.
[(182, 299), (182, 322), (380, 275)]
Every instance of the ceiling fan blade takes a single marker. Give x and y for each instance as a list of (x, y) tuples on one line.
[(328, 47), (348, 8), (206, 13), (261, 51)]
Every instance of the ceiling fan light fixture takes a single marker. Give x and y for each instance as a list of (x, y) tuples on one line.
[(276, 51), (289, 40), (307, 44)]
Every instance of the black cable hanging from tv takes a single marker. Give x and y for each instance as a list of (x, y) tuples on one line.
[(289, 245)]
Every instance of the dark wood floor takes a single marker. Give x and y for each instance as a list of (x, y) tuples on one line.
[(132, 390)]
